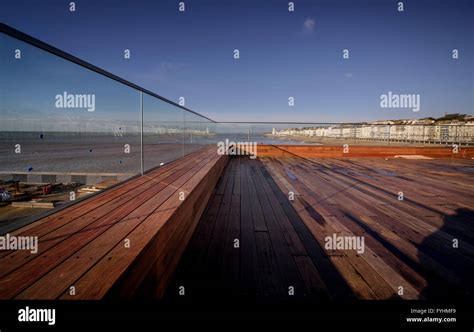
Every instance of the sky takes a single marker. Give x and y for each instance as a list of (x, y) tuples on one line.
[(282, 54)]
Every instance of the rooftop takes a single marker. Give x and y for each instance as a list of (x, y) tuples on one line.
[(281, 208)]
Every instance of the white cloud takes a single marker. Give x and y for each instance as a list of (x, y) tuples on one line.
[(308, 25)]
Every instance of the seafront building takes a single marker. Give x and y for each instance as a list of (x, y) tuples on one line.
[(426, 131)]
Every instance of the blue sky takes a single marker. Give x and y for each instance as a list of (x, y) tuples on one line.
[(282, 53)]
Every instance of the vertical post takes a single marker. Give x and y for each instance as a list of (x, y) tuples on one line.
[(184, 131), (202, 134), (141, 134), (248, 136)]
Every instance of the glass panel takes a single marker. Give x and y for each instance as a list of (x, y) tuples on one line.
[(63, 129), (210, 138), (191, 133), (262, 133), (198, 131), (336, 134), (162, 132)]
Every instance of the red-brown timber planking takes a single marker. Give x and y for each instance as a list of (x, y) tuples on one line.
[(357, 151), (84, 245), (408, 243), (51, 223), (92, 215)]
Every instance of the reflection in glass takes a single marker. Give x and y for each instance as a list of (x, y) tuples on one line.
[(162, 132), (64, 129)]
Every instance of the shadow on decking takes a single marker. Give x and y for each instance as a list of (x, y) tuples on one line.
[(456, 261), (276, 253), (277, 250)]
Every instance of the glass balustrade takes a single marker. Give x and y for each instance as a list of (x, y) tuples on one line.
[(69, 130)]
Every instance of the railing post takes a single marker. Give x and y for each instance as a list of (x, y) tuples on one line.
[(184, 132), (142, 166)]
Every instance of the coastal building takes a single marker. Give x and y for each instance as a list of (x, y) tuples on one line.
[(458, 129)]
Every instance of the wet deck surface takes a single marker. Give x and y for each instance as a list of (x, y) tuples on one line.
[(254, 241)]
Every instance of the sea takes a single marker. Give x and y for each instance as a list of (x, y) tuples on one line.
[(84, 152)]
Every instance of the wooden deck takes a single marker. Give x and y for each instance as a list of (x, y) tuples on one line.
[(362, 151), (120, 243), (409, 249), (252, 241)]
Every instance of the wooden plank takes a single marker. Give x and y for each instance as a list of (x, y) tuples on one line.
[(356, 208), (407, 243), (257, 212), (152, 238), (341, 261), (194, 268), (353, 204), (286, 264), (44, 225), (63, 276), (295, 245), (248, 251), (99, 219), (95, 205), (165, 270), (360, 151), (270, 279), (335, 282), (229, 269), (363, 194), (389, 263), (315, 285), (218, 244)]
